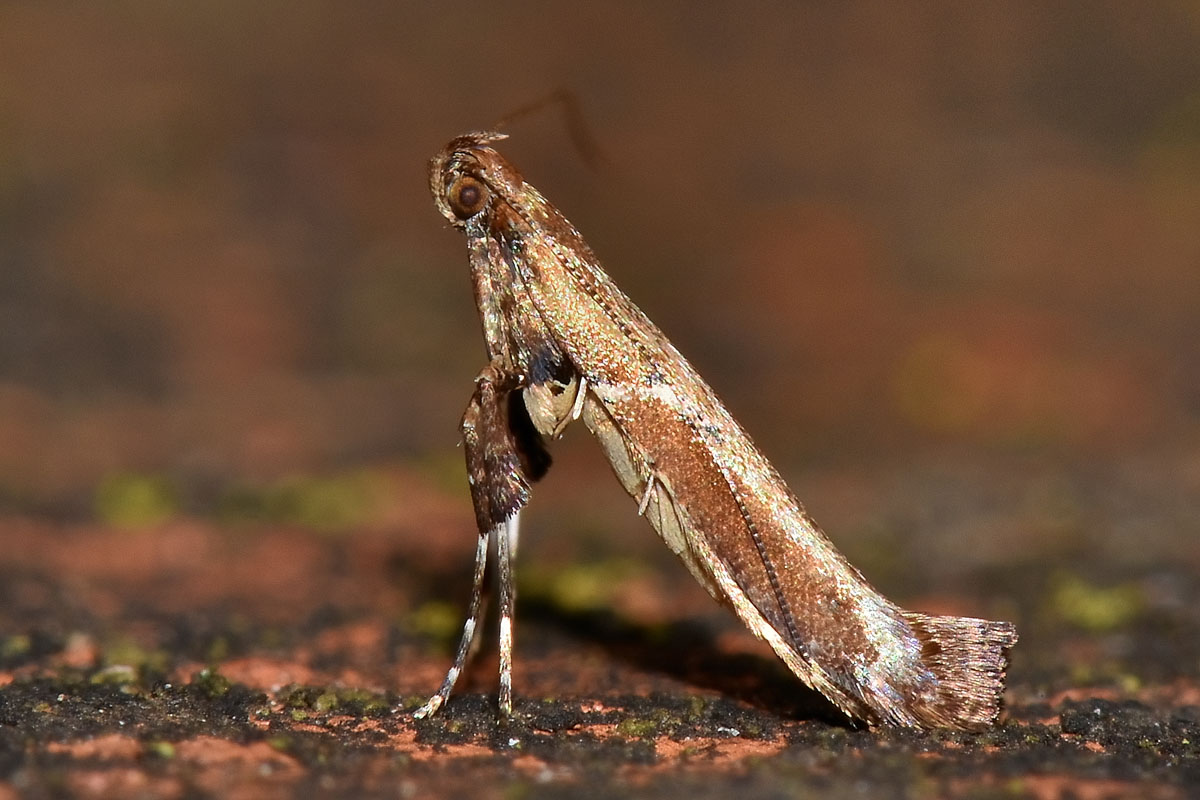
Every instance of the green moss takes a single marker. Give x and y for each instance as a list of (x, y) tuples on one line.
[(1093, 608), (412, 702), (364, 701), (15, 646), (327, 503), (637, 728), (580, 587), (280, 743), (218, 650), (518, 790), (435, 619), (211, 682), (658, 722), (444, 469), (124, 652), (1129, 683), (328, 700), (130, 500), (163, 750), (698, 707), (115, 675), (296, 696), (1082, 674)]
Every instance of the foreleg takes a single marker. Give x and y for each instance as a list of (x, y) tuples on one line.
[(504, 455)]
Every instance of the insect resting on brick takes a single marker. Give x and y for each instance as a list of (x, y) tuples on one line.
[(563, 343)]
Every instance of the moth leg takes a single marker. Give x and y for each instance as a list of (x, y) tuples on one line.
[(502, 451), (502, 457), (653, 481), (580, 396), (644, 503), (505, 541), (468, 634), (512, 529)]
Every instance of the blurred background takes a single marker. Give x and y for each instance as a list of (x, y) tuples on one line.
[(940, 251)]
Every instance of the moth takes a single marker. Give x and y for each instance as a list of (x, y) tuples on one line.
[(563, 344)]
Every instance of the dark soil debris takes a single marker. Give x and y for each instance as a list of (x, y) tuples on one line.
[(313, 692)]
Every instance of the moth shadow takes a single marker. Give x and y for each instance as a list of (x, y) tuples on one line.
[(687, 651)]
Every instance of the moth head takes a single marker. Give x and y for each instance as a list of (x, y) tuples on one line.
[(466, 196), (459, 175)]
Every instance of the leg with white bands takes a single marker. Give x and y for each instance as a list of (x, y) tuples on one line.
[(470, 628), (508, 593), (504, 453)]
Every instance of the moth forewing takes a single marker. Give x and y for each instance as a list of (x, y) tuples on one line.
[(662, 511), (561, 334)]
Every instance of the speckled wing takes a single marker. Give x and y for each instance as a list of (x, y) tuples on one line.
[(719, 504)]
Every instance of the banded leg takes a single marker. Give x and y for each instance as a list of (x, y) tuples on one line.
[(499, 447), (505, 540), (468, 633)]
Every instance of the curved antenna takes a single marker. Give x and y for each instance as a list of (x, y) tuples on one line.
[(572, 115)]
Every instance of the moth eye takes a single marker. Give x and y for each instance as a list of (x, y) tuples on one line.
[(467, 196)]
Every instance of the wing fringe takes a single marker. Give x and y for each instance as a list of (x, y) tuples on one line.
[(968, 658)]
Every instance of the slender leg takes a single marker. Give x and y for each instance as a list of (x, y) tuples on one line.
[(645, 502), (468, 633), (496, 451), (512, 528), (508, 594), (580, 396)]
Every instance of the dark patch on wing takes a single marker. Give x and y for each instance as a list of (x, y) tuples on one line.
[(548, 364), (530, 446)]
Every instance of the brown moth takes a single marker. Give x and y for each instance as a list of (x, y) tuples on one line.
[(564, 343)]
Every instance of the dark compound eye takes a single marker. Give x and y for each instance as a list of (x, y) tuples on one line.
[(467, 196)]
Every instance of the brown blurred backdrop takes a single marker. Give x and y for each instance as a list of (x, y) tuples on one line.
[(879, 229)]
